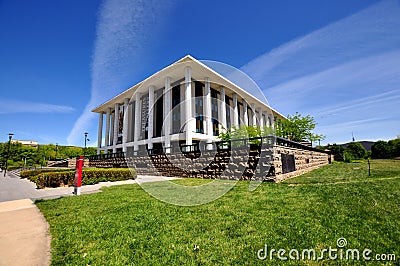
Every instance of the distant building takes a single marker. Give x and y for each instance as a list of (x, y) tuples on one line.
[(32, 143)]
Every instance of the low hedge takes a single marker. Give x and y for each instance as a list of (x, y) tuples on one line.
[(30, 173), (13, 167), (89, 177)]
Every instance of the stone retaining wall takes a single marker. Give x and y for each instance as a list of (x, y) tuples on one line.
[(305, 161), (70, 163), (260, 163)]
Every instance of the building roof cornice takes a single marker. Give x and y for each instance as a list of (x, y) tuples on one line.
[(187, 60)]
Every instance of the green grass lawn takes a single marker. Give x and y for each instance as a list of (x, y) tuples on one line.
[(125, 225)]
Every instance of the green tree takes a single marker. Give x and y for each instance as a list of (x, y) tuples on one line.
[(381, 150), (355, 150), (337, 151), (245, 132), (395, 147), (35, 156), (298, 128), (91, 151)]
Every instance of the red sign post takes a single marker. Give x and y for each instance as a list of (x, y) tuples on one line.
[(78, 175)]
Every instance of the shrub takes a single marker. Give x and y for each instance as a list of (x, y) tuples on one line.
[(381, 150), (89, 177), (356, 150), (30, 173), (94, 176), (395, 146), (348, 156), (337, 151), (13, 167)]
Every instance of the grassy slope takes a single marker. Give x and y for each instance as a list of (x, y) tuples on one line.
[(124, 225)]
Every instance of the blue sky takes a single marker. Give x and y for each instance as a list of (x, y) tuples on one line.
[(338, 61)]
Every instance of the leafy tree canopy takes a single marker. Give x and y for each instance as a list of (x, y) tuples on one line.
[(298, 128), (337, 151), (356, 150), (386, 149), (244, 132), (21, 155)]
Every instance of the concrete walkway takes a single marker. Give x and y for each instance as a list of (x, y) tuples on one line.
[(24, 233), (13, 187)]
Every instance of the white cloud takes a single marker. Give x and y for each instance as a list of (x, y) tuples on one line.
[(351, 124), (125, 30), (368, 32), (17, 106), (346, 74), (367, 76), (366, 102)]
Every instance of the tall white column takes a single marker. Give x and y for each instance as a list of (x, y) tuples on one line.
[(188, 106), (245, 115), (253, 110), (167, 115), (116, 126), (265, 119), (193, 115), (112, 129), (100, 132), (207, 108), (131, 115), (107, 134), (271, 120), (223, 109), (125, 124), (182, 107), (260, 118), (151, 118), (138, 118), (235, 111)]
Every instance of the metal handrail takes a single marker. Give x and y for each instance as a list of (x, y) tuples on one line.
[(216, 145)]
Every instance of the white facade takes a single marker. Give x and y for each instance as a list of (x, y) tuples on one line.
[(184, 103)]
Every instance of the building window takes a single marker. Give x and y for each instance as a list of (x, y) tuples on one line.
[(144, 125), (264, 121), (133, 116), (158, 113), (228, 103), (112, 128), (176, 109), (214, 111), (239, 108), (199, 107), (250, 116)]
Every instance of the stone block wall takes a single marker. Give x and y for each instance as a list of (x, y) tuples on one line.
[(106, 163), (305, 161), (70, 163), (256, 163)]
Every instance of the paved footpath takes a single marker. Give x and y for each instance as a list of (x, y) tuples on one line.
[(24, 233)]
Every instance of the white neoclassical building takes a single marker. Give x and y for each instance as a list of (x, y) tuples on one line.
[(185, 103)]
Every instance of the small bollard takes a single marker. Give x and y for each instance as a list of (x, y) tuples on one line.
[(369, 168), (78, 175)]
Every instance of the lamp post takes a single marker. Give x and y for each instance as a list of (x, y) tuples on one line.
[(86, 140), (56, 151), (8, 153)]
